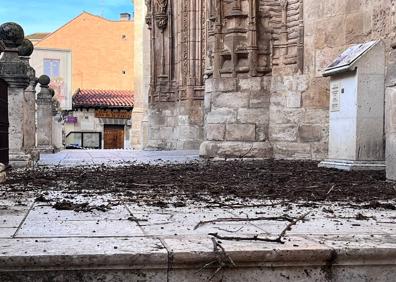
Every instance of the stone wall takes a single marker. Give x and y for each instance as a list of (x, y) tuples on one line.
[(264, 93), (177, 41), (237, 118), (175, 126), (300, 101)]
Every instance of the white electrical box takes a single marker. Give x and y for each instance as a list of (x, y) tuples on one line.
[(357, 93)]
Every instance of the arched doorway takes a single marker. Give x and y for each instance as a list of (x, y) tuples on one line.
[(4, 155)]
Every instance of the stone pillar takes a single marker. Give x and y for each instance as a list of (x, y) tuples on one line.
[(29, 106), (3, 174), (14, 71), (142, 72), (390, 116), (44, 116)]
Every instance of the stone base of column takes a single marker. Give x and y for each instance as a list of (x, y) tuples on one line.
[(236, 150), (353, 165), (20, 160), (3, 173)]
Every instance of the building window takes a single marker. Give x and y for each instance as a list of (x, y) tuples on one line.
[(51, 68)]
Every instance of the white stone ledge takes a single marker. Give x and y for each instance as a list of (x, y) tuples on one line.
[(191, 253)]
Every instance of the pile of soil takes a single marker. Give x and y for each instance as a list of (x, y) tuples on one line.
[(211, 182)]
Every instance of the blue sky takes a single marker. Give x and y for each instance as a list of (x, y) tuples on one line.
[(48, 15)]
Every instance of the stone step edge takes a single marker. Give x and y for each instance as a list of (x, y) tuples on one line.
[(194, 257)]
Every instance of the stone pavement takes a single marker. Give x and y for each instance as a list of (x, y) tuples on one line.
[(132, 242), (114, 157)]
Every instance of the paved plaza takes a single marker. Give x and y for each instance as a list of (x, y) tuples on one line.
[(132, 242), (114, 157), (105, 235)]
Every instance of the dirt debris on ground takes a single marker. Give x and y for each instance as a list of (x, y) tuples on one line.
[(212, 183)]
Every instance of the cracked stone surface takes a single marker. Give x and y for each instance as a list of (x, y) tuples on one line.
[(104, 236)]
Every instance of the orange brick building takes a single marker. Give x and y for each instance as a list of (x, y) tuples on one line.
[(102, 51)]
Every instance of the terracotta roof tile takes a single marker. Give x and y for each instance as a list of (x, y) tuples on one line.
[(88, 98)]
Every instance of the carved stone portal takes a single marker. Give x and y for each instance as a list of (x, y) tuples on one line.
[(197, 40)]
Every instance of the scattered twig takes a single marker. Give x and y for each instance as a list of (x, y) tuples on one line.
[(230, 231), (237, 238), (247, 153), (331, 189), (239, 219), (223, 260), (239, 206), (291, 224), (262, 239)]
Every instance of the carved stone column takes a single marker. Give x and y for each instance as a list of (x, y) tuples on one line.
[(14, 71), (44, 116), (29, 106)]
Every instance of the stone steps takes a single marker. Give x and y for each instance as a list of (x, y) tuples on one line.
[(182, 258)]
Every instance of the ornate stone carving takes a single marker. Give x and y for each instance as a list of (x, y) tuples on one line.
[(161, 16), (149, 13)]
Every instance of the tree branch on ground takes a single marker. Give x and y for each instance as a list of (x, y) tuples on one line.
[(239, 219), (262, 239), (223, 260)]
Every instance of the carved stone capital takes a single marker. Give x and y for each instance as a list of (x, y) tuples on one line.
[(161, 16)]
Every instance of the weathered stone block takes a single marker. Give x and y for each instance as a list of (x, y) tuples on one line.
[(293, 99), (215, 132), (318, 94), (253, 116), (325, 35), (251, 84), (207, 102), (171, 121), (230, 100), (166, 133), (189, 133), (316, 116), (225, 84), (222, 115), (261, 150), (319, 151), (210, 149), (354, 27), (209, 85), (288, 150), (278, 99), (261, 133), (183, 120), (188, 144), (259, 99), (310, 133), (279, 115), (240, 132), (283, 132)]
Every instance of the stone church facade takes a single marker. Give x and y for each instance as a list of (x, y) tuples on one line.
[(243, 78)]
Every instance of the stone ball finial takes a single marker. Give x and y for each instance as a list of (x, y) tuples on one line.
[(44, 80), (26, 49), (11, 34)]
